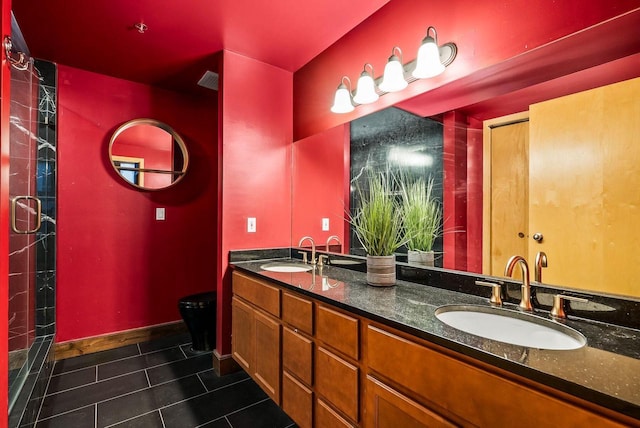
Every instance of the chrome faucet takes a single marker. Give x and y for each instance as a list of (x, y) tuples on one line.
[(334, 238), (525, 301), (541, 262), (313, 247)]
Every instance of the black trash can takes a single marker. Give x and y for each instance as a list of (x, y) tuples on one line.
[(199, 314)]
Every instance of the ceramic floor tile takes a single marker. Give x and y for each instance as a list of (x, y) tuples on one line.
[(71, 380), (80, 418), (218, 423), (212, 405), (93, 393), (265, 414), (150, 420), (212, 381), (89, 360), (147, 400), (179, 369), (139, 362)]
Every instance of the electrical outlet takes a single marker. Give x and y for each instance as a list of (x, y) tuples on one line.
[(325, 224), (160, 214), (251, 224)]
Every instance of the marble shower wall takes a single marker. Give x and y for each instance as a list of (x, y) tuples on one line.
[(405, 143)]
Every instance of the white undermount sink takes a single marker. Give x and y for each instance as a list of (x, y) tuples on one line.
[(285, 267), (511, 327)]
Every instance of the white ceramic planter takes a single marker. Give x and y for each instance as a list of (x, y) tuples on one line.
[(423, 258)]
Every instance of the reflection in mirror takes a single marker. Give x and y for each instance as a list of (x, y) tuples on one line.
[(148, 154), (574, 192)]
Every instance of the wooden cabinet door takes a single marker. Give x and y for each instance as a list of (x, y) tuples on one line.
[(266, 370), (387, 408), (242, 334), (297, 401)]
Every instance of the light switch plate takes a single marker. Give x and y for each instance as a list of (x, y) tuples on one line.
[(160, 214), (325, 224), (251, 224)]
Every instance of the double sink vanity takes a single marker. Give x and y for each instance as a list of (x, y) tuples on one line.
[(333, 351)]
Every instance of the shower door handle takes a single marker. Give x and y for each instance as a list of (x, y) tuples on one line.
[(14, 204)]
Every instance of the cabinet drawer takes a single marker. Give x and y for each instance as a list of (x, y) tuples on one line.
[(297, 355), (387, 408), (298, 312), (327, 417), (297, 401), (261, 294), (338, 330), (337, 381), (466, 391)]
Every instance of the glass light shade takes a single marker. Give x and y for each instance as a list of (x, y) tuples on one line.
[(393, 78), (342, 100), (428, 62), (366, 90)]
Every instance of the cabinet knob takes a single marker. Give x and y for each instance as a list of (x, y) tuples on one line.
[(538, 237)]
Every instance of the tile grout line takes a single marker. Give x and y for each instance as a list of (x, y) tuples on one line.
[(95, 415), (124, 374), (146, 374), (140, 353), (142, 389), (161, 418), (45, 395), (177, 402)]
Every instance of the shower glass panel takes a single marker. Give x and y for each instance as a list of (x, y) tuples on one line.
[(24, 223)]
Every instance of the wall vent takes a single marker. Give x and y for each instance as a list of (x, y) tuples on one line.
[(209, 80)]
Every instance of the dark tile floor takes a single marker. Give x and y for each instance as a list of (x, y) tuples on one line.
[(154, 384)]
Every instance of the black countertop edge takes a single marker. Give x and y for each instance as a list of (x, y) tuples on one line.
[(551, 380)]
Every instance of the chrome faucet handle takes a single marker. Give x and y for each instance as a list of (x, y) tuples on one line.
[(557, 311), (496, 291), (304, 257), (320, 262)]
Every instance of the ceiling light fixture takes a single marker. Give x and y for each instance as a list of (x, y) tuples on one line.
[(431, 60), (342, 101), (141, 27)]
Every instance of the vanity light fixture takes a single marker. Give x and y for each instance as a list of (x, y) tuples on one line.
[(428, 62), (366, 89), (431, 60), (342, 101), (393, 79)]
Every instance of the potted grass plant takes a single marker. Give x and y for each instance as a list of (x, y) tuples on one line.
[(422, 217), (378, 225)]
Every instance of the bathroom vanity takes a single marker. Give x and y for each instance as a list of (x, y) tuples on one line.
[(335, 352)]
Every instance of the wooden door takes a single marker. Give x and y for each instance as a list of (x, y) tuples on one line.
[(242, 343), (266, 368), (584, 181), (506, 188)]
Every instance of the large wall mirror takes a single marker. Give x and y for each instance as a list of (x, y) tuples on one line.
[(573, 190), (148, 154)]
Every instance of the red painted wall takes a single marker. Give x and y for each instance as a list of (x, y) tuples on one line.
[(255, 144), (117, 267), (478, 29), (5, 79), (317, 179)]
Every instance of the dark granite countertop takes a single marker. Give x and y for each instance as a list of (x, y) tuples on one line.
[(606, 371)]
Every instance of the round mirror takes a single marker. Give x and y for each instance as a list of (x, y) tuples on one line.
[(148, 154)]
